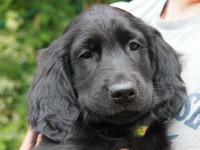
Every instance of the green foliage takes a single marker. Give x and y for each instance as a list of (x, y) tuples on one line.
[(25, 27)]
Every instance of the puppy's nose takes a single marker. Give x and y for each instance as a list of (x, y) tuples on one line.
[(123, 93)]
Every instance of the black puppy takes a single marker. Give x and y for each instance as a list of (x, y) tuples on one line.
[(106, 76)]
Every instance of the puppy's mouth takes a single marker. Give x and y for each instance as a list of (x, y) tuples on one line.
[(124, 117), (121, 118)]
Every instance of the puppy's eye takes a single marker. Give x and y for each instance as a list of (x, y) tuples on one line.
[(86, 54), (133, 46)]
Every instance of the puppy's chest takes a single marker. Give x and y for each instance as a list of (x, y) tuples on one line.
[(112, 144), (128, 144), (96, 141), (146, 138)]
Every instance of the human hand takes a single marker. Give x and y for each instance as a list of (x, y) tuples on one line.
[(31, 140)]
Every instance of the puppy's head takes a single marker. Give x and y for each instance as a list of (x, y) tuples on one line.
[(111, 67), (108, 66)]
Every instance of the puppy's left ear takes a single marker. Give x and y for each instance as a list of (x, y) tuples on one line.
[(52, 101), (168, 84)]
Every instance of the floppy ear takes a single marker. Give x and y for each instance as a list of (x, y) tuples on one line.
[(52, 101), (168, 84)]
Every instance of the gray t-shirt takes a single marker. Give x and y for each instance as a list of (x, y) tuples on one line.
[(184, 36)]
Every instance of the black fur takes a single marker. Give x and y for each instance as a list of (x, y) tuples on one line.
[(71, 98)]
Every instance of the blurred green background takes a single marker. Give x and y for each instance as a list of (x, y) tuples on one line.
[(25, 27)]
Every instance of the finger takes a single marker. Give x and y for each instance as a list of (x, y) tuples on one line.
[(39, 139)]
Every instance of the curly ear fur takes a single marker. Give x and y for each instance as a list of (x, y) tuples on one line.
[(168, 85), (52, 101)]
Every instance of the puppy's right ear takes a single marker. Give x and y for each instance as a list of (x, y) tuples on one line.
[(52, 101)]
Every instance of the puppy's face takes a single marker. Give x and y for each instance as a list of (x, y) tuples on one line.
[(112, 72)]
